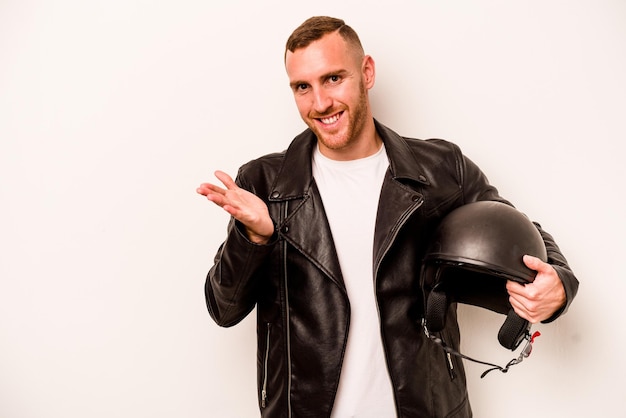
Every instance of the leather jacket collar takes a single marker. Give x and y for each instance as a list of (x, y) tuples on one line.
[(287, 186)]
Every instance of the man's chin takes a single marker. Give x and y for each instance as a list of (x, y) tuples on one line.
[(334, 142)]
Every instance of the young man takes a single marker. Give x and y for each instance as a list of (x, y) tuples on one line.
[(326, 240)]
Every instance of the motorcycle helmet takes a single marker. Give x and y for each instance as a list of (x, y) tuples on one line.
[(474, 251)]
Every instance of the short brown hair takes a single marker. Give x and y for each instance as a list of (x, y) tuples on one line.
[(314, 28)]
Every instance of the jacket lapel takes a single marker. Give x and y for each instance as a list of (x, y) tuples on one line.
[(397, 203), (305, 225), (400, 195)]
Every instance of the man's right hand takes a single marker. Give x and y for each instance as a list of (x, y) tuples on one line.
[(244, 206)]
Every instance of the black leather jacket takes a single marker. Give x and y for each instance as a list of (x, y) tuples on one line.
[(296, 284)]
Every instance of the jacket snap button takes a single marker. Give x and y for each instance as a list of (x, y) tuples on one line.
[(275, 194), (285, 229), (422, 179), (415, 198)]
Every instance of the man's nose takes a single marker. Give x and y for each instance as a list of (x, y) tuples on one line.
[(321, 101)]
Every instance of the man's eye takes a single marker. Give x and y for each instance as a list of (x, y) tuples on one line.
[(301, 87), (334, 78)]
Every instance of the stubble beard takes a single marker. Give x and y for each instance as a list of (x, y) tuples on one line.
[(354, 129)]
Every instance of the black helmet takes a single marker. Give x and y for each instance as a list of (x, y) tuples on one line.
[(474, 251)]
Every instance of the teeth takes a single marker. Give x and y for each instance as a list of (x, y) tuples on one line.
[(330, 120)]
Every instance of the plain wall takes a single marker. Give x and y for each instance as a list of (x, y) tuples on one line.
[(112, 112)]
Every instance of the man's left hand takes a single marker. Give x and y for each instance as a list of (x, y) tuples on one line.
[(539, 300)]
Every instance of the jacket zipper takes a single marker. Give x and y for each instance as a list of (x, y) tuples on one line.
[(450, 366), (266, 360), (287, 318), (449, 362), (419, 202)]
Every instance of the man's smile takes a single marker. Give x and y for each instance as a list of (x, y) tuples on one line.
[(330, 119)]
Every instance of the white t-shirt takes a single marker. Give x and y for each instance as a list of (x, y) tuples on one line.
[(350, 191)]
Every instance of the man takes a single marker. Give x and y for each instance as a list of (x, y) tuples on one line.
[(326, 240)]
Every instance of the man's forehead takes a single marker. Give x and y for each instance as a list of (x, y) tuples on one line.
[(329, 53)]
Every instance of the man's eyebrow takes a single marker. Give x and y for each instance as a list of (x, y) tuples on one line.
[(341, 72), (295, 84), (325, 76)]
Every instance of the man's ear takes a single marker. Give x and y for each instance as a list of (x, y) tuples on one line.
[(368, 69)]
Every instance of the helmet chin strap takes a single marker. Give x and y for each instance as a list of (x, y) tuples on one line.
[(524, 353), (513, 330)]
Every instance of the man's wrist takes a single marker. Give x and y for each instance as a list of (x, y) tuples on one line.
[(260, 239)]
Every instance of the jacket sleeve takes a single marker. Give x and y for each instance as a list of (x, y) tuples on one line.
[(476, 187), (232, 282)]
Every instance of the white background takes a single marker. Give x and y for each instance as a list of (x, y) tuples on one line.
[(112, 112)]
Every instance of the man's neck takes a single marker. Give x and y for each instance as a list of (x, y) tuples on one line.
[(368, 144)]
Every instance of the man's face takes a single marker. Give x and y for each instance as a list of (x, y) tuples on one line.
[(330, 82)]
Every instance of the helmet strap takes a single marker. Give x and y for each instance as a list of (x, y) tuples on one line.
[(524, 353)]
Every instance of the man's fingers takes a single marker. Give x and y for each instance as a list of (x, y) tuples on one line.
[(241, 204), (226, 180), (208, 189), (232, 199), (536, 264)]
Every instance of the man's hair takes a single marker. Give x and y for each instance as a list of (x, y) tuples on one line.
[(316, 27)]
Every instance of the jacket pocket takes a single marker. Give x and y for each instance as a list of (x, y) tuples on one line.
[(265, 366), (448, 358)]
